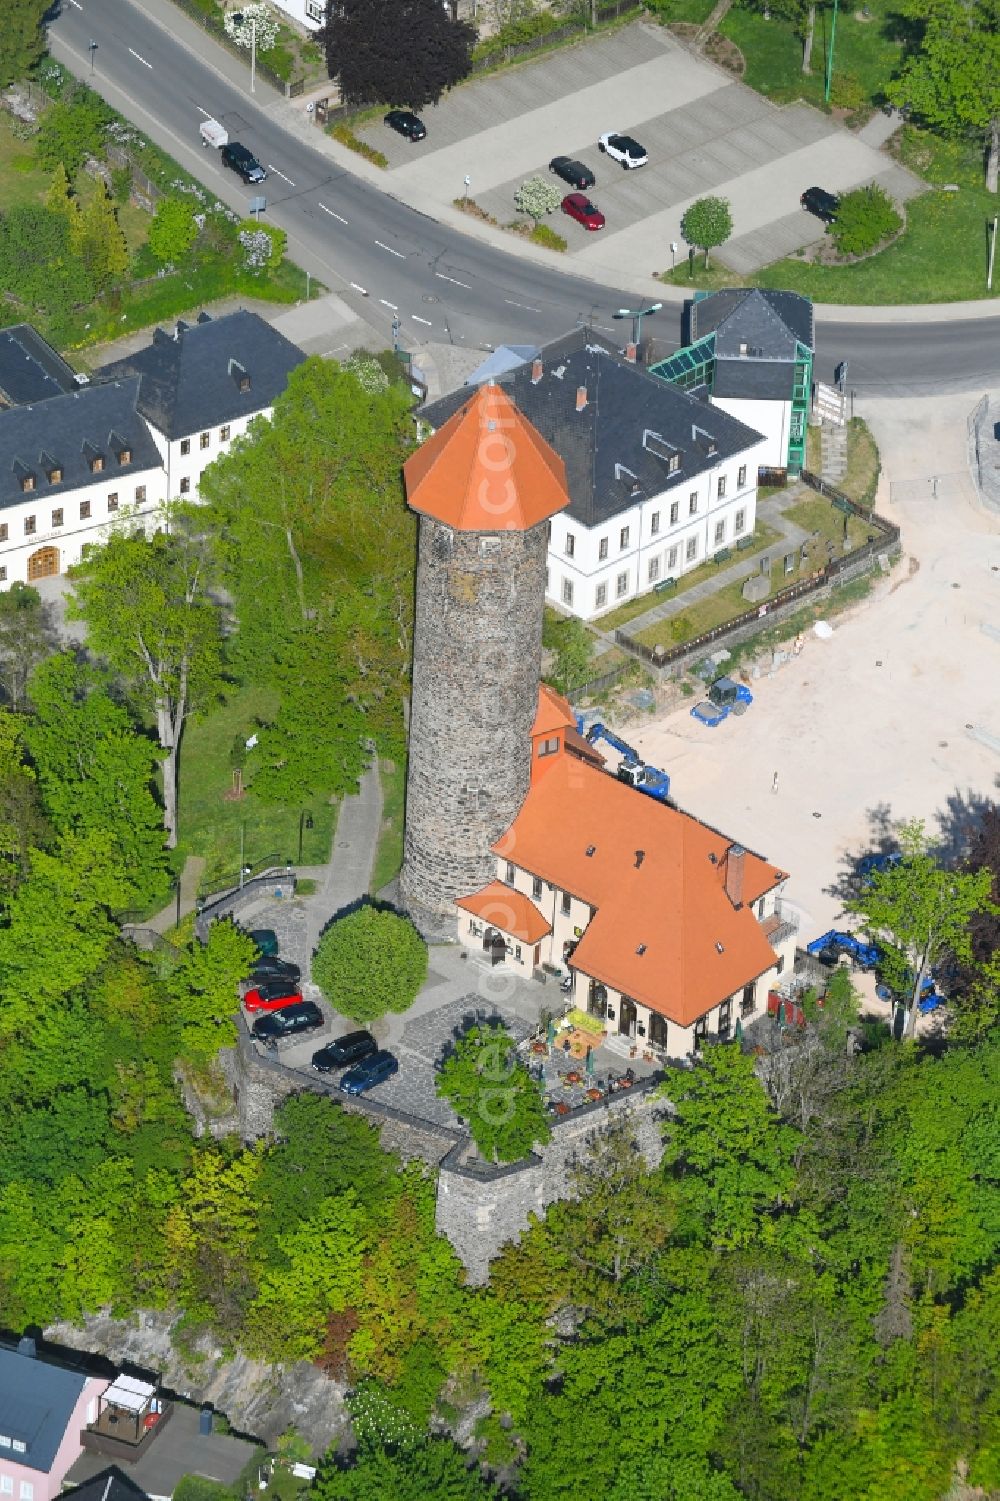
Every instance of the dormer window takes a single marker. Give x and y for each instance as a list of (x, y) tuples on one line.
[(55, 476), (97, 463), (239, 375), (27, 482), (125, 456)]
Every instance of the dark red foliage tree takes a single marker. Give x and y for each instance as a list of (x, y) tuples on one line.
[(396, 51)]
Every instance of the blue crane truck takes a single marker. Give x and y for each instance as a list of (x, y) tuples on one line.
[(869, 956), (632, 769)]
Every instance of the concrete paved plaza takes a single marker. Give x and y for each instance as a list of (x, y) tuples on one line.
[(704, 134), (896, 716)]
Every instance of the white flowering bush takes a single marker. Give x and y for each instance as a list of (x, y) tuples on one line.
[(240, 26), (256, 248), (368, 373), (379, 1422)]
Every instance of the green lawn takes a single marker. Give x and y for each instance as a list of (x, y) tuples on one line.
[(389, 854), (210, 823), (694, 12), (763, 536), (816, 515), (21, 179), (866, 54)]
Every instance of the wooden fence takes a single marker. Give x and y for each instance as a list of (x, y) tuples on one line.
[(850, 564)]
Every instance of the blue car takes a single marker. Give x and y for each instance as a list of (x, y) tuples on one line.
[(371, 1071), (870, 866)]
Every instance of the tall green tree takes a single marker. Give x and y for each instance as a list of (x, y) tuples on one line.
[(150, 614), (96, 772), (22, 823), (313, 501), (920, 913), (73, 128), (952, 80), (406, 52), (489, 1087), (369, 962), (173, 230), (730, 1152), (204, 988), (22, 40), (27, 637), (102, 244)]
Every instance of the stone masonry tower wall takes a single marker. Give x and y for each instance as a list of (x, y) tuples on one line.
[(477, 647), (485, 486)]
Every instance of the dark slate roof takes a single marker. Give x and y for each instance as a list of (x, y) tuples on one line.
[(36, 1403), (623, 437), (110, 1485), (65, 432), (30, 369), (191, 378), (755, 339)]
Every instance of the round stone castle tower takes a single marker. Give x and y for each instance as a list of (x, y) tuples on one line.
[(484, 487)]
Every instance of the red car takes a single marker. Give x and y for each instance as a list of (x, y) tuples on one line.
[(580, 208), (272, 995)]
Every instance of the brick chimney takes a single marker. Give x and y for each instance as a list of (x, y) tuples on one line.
[(735, 860), (581, 398), (536, 372), (631, 353)]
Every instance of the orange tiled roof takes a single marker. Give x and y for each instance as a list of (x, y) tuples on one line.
[(553, 713), (487, 469), (510, 911), (696, 947)]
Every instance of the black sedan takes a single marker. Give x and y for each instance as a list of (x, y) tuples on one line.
[(573, 172), (352, 1048), (303, 1016), (371, 1071), (821, 203), (406, 123)]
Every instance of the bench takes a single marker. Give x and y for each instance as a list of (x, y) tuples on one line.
[(722, 556), (744, 543), (665, 586)]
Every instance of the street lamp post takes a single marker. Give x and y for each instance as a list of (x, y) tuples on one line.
[(637, 315), (92, 48), (305, 822), (829, 56), (238, 19)]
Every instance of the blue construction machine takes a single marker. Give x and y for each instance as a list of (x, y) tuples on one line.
[(632, 768)]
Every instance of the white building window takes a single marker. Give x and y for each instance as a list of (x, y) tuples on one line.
[(621, 585), (315, 11), (720, 532), (692, 548), (602, 549), (675, 511), (623, 538), (740, 523), (654, 570), (672, 559), (654, 524), (570, 544), (567, 591), (693, 503), (6, 1485), (741, 477), (27, 1491), (601, 597), (721, 487)]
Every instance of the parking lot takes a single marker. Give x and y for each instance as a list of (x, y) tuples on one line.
[(704, 134)]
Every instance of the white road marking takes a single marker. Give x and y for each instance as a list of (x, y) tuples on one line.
[(76, 3), (362, 290), (280, 174), (203, 112), (397, 253), (453, 279), (417, 319), (389, 304), (142, 60), (526, 306), (332, 214)]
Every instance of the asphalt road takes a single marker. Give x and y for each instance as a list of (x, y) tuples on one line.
[(443, 285)]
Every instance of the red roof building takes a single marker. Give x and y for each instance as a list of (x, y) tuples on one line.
[(671, 929)]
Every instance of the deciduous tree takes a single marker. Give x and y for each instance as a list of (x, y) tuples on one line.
[(536, 198), (707, 223), (149, 613), (920, 913), (22, 40), (173, 230), (488, 1086), (403, 52), (204, 987), (953, 79), (370, 962)]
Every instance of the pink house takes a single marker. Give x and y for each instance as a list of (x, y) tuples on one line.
[(43, 1411)]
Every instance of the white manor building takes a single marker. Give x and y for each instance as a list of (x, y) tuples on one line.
[(78, 456), (659, 480)]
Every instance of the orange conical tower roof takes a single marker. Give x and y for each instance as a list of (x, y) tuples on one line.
[(487, 469)]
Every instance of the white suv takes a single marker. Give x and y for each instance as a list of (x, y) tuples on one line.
[(623, 149)]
